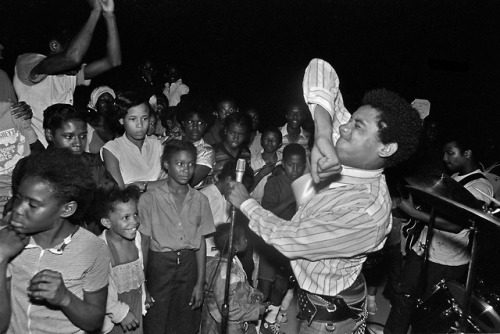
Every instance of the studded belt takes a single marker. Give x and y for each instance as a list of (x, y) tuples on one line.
[(334, 309)]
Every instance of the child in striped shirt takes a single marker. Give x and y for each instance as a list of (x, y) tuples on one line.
[(53, 273)]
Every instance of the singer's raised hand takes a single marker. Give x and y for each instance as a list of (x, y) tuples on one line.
[(237, 194)]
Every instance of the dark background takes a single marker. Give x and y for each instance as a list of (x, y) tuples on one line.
[(444, 51)]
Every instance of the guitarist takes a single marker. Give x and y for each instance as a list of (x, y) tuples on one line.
[(449, 252)]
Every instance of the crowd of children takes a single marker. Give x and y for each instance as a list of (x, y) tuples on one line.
[(120, 223), (158, 213)]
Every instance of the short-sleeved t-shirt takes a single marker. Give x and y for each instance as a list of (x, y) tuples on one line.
[(448, 248), (221, 212), (84, 265), (15, 136), (44, 90), (205, 154)]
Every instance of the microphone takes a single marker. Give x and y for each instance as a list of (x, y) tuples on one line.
[(240, 170)]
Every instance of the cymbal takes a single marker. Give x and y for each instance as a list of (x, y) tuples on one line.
[(445, 186), (462, 214)]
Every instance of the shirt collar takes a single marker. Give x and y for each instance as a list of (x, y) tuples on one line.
[(165, 187), (199, 143), (147, 140), (284, 131), (58, 250), (356, 176)]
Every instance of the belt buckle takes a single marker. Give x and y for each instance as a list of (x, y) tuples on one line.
[(331, 308)]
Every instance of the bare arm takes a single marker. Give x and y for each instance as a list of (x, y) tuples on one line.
[(440, 223), (76, 50), (113, 56), (113, 166), (5, 308), (11, 244), (198, 290), (87, 314)]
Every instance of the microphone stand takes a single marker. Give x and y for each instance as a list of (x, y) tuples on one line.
[(240, 169), (225, 305)]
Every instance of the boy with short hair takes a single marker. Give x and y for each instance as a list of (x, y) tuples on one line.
[(293, 131), (264, 162), (278, 195), (232, 148), (194, 121), (274, 268), (225, 107)]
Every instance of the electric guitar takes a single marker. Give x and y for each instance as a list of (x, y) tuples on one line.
[(411, 230)]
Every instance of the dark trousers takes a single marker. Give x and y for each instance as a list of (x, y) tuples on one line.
[(394, 266), (171, 277), (403, 303)]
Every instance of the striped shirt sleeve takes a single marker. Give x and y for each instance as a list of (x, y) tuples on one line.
[(322, 233), (321, 87)]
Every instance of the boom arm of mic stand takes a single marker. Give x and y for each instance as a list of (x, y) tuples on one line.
[(225, 305)]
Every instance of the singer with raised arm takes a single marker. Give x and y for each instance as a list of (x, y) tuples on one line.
[(328, 238)]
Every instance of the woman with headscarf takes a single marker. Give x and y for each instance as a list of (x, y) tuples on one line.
[(102, 125)]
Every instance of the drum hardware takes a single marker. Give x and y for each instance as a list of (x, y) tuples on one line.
[(453, 201), (442, 311), (488, 292)]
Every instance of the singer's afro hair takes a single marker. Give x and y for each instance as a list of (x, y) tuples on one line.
[(398, 123)]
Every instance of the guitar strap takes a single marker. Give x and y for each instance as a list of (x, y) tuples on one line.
[(471, 178)]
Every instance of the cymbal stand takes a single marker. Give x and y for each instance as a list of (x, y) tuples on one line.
[(427, 246), (471, 275)]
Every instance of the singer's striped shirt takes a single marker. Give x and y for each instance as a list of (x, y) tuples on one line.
[(328, 238)]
